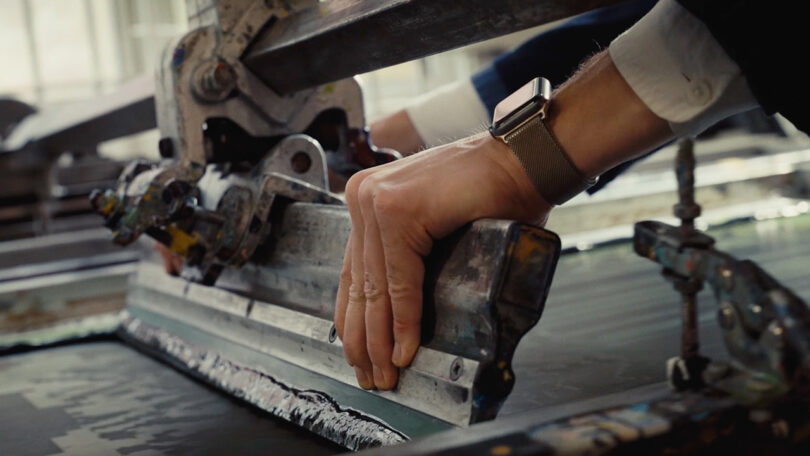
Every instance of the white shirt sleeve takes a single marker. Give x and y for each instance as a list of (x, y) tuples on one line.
[(448, 113), (673, 63)]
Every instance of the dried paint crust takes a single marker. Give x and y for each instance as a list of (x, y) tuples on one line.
[(312, 410)]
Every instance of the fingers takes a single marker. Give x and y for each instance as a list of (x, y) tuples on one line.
[(404, 276), (379, 304), (354, 325), (405, 272), (379, 336)]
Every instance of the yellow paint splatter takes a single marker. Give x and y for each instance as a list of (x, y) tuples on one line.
[(500, 450), (181, 240)]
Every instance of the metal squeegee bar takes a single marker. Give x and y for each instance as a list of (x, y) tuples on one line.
[(294, 350), (484, 288)]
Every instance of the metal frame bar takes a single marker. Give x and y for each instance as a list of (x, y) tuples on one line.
[(342, 38)]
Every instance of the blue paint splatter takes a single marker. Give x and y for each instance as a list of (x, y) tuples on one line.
[(178, 56), (641, 407)]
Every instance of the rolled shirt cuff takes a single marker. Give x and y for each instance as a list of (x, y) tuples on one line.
[(448, 113), (673, 63)]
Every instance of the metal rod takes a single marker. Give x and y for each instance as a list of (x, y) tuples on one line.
[(690, 344), (687, 210), (341, 38)]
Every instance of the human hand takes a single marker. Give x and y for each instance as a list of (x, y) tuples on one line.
[(397, 210)]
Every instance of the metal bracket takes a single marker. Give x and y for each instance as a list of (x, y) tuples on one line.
[(766, 327)]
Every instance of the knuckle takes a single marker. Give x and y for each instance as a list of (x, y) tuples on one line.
[(368, 184), (367, 191), (400, 289), (387, 202), (371, 289), (356, 293), (354, 183), (345, 276)]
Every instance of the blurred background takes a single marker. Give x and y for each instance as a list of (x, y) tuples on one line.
[(58, 51)]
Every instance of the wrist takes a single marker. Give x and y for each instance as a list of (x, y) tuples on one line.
[(600, 122), (514, 180)]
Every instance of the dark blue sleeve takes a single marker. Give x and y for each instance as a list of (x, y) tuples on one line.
[(557, 53)]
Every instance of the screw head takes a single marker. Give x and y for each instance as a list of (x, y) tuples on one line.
[(456, 369), (214, 80), (726, 317), (726, 276)]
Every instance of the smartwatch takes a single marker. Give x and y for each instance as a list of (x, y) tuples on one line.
[(519, 121)]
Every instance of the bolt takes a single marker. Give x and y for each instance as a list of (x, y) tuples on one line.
[(214, 81), (686, 211), (727, 276), (726, 317), (223, 75), (776, 335), (218, 78), (456, 369)]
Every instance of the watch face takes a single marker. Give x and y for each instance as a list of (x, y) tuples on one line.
[(524, 103)]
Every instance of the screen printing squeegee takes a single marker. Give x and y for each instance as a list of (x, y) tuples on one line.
[(265, 334)]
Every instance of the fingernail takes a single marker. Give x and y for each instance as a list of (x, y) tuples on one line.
[(397, 356), (362, 378), (379, 377)]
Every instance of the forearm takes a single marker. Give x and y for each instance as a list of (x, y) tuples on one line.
[(396, 131), (600, 122)]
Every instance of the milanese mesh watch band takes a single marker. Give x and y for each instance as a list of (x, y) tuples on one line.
[(548, 167)]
